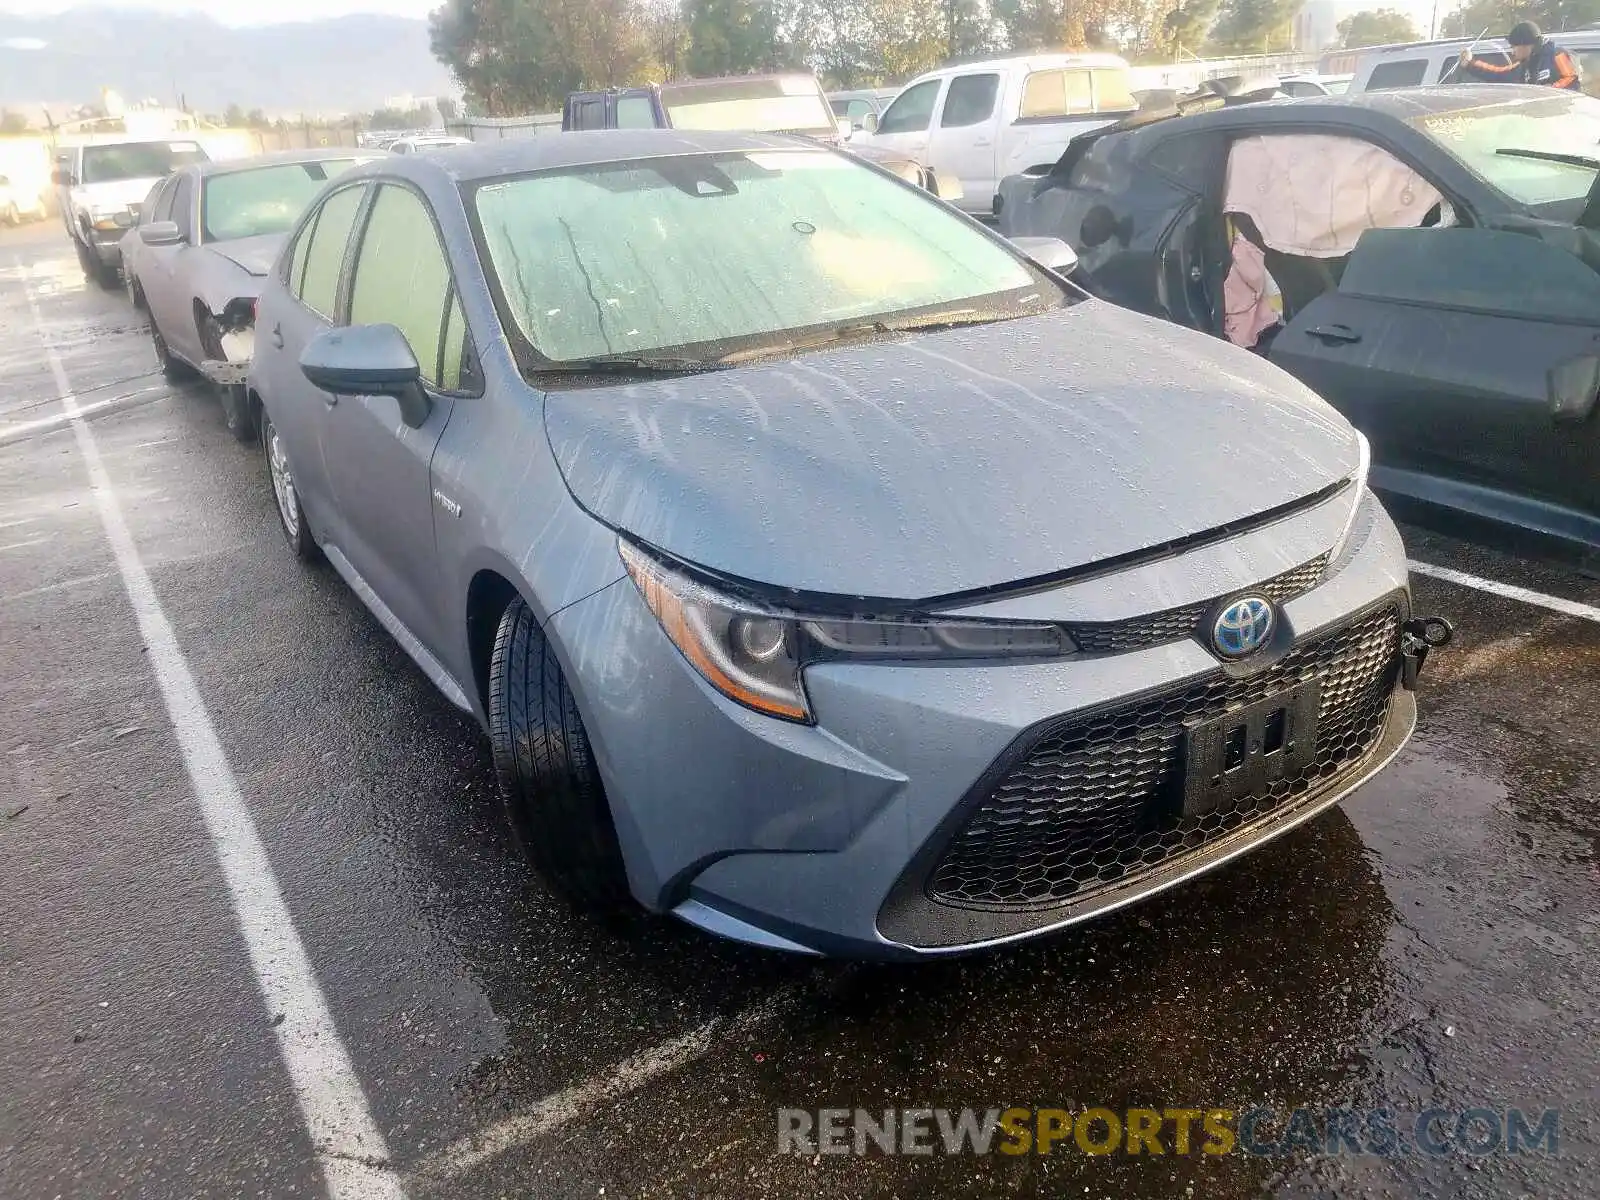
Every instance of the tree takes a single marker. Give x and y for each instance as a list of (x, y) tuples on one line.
[(520, 56), (234, 117), (449, 110), (1500, 15), (1253, 26), (730, 37), (1187, 28), (1377, 27), (12, 123)]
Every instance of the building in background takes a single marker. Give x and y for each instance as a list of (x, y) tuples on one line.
[(1316, 25)]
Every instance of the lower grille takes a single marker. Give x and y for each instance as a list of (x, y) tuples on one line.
[(1175, 624), (1097, 800)]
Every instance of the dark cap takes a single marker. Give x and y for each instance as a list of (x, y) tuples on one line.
[(1524, 33)]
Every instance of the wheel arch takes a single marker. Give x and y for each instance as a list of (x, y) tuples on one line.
[(489, 594)]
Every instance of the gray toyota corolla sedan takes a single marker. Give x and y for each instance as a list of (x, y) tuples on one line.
[(825, 571)]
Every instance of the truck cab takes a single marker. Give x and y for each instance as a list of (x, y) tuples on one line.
[(615, 108), (983, 121), (791, 102)]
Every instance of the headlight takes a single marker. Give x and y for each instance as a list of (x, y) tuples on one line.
[(107, 219), (754, 654), (1358, 495)]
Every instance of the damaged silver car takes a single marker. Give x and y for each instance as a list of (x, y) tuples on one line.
[(206, 238)]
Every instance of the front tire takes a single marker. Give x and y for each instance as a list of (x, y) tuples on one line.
[(548, 778), (238, 411), (291, 517), (175, 369)]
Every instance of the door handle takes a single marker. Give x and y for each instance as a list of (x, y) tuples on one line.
[(982, 142), (277, 336), (330, 398), (1335, 333)]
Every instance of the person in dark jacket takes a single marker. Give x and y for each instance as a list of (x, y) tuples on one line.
[(1534, 59)]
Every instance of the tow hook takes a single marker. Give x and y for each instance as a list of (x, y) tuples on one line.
[(1417, 637)]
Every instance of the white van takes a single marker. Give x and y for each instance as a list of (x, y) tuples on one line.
[(980, 122), (1383, 68)]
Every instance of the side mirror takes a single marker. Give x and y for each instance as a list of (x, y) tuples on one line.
[(845, 128), (62, 178), (869, 122), (160, 233), (368, 360), (1574, 386), (1050, 253)]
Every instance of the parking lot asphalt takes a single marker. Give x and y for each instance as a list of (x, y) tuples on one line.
[(1431, 942)]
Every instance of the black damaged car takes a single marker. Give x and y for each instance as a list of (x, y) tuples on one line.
[(1427, 259)]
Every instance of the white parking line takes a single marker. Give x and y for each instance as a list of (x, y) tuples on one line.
[(1584, 612), (582, 1099), (350, 1150)]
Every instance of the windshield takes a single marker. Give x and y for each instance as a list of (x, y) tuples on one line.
[(1497, 140), (1336, 87), (264, 200), (138, 160), (754, 105), (734, 251)]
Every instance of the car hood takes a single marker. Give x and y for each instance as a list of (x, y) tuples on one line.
[(254, 254), (951, 462), (115, 193)]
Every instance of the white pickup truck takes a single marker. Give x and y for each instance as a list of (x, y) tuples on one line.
[(99, 186), (982, 121)]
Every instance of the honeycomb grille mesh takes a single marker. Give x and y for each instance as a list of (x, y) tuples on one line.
[(1096, 802), (1175, 624)]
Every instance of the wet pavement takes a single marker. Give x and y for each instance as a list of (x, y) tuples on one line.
[(1432, 942)]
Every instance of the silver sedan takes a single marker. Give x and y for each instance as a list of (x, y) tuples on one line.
[(206, 238)]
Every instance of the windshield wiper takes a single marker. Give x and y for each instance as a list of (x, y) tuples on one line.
[(1569, 160), (667, 364), (860, 329), (632, 364)]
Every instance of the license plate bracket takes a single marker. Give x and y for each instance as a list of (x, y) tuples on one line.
[(1246, 750)]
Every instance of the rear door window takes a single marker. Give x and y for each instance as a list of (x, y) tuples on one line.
[(635, 112), (183, 205), (318, 287), (1498, 57), (1049, 94), (163, 205), (1112, 91), (970, 100), (1408, 72)]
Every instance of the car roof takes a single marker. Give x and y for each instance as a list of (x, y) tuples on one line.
[(592, 147), (1030, 62), (230, 166), (1402, 104), (684, 85)]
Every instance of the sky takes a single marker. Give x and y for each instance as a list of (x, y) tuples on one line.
[(231, 12)]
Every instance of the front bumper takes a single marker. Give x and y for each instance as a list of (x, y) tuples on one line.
[(236, 349), (824, 838)]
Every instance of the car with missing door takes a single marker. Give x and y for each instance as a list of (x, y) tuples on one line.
[(1437, 280), (817, 567), (204, 240)]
